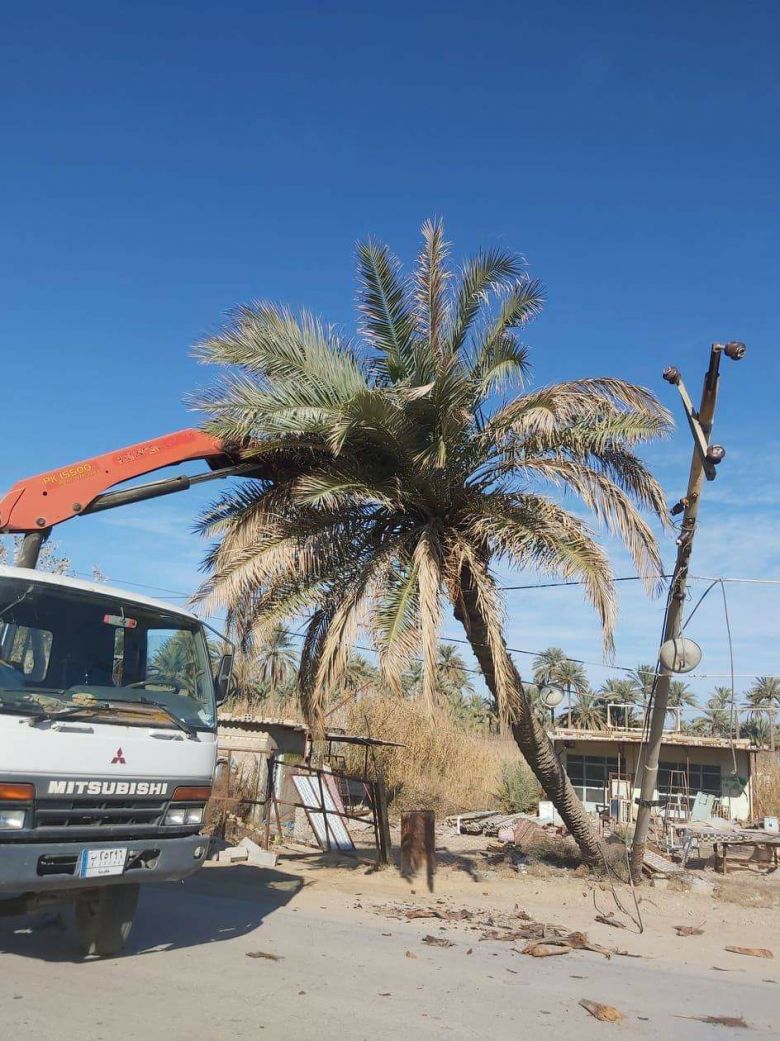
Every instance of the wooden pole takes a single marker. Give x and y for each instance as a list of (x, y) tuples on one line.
[(418, 844), (702, 464)]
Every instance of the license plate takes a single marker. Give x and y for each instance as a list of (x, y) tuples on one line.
[(95, 863)]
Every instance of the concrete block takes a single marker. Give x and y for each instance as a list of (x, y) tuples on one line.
[(233, 855), (257, 855)]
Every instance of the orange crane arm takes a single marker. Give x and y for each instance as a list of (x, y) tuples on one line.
[(37, 503)]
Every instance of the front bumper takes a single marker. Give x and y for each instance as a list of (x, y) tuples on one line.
[(159, 859)]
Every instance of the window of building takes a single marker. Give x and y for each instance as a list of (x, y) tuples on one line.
[(589, 775), (702, 777)]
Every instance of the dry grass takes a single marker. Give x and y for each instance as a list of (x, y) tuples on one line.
[(767, 784), (749, 891), (442, 766)]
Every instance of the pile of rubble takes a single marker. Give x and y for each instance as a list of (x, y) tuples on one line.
[(513, 827)]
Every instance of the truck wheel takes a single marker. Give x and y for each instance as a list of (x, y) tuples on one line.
[(104, 918)]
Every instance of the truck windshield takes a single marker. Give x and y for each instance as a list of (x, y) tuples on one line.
[(61, 648)]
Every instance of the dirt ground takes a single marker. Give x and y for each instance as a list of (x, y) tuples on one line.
[(740, 910), (323, 945)]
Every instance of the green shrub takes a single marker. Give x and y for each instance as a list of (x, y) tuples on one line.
[(518, 790)]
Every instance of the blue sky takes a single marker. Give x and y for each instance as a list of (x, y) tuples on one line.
[(163, 162)]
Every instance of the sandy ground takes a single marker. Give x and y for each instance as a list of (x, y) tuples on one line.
[(742, 910), (349, 967)]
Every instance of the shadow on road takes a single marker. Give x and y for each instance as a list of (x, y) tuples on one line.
[(472, 863), (217, 904)]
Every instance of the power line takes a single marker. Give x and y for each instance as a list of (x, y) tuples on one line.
[(178, 594), (638, 578), (519, 650)]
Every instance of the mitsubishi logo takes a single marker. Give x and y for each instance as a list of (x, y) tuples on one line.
[(119, 758)]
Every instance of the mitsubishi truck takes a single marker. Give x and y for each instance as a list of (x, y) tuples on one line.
[(107, 709)]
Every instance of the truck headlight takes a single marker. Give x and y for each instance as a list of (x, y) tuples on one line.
[(11, 820), (178, 816)]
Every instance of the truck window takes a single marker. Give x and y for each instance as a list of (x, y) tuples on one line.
[(61, 646), (26, 649), (171, 659)]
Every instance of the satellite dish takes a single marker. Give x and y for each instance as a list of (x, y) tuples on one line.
[(550, 696), (680, 654)]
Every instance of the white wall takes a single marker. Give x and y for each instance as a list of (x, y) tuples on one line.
[(736, 794)]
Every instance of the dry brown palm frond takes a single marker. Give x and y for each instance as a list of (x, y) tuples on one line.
[(537, 530), (427, 561), (611, 506)]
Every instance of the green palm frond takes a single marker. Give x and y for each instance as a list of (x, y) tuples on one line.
[(387, 322), (395, 623), (270, 343), (489, 272), (528, 529), (500, 363), (430, 287), (521, 303)]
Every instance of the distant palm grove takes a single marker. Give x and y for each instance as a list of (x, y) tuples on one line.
[(270, 677)]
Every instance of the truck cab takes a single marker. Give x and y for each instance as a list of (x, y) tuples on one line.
[(107, 747)]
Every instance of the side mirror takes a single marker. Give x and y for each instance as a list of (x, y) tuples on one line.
[(222, 678)]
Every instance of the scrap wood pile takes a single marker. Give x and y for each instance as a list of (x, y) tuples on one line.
[(506, 827), (542, 939)]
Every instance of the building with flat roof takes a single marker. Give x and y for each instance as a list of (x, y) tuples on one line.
[(604, 766)]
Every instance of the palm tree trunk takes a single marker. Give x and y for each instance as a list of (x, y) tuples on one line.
[(528, 732)]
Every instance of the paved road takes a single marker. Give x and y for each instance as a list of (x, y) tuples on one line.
[(344, 974)]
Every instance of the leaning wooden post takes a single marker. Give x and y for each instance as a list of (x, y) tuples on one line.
[(385, 843)]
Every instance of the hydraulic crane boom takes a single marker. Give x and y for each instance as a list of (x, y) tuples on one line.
[(35, 504)]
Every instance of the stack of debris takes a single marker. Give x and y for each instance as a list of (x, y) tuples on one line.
[(512, 827), (542, 939)]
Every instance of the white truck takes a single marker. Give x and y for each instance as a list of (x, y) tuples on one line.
[(107, 712)]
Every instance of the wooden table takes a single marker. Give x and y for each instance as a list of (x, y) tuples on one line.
[(767, 841)]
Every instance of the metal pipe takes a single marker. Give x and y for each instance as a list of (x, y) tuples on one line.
[(155, 489), (30, 549)]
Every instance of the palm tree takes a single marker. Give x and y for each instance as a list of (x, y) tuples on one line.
[(454, 682), (763, 698), (454, 689), (622, 693), (765, 689), (588, 712), (758, 730), (553, 666), (716, 718), (399, 472), (175, 661), (680, 697), (643, 677), (360, 675), (275, 660)]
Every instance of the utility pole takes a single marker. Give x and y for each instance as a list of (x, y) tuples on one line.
[(703, 464)]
